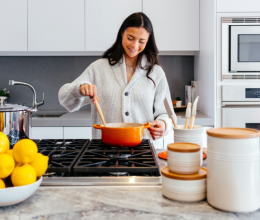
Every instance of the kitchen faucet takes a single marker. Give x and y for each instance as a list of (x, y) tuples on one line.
[(35, 104)]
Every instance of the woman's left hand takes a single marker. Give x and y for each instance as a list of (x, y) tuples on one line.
[(157, 129)]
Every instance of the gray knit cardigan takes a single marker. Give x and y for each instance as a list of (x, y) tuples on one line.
[(138, 101)]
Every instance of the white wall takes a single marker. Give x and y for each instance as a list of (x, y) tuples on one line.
[(204, 60)]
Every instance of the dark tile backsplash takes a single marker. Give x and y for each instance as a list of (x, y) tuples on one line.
[(48, 74)]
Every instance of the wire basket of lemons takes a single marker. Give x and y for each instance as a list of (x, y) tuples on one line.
[(20, 170)]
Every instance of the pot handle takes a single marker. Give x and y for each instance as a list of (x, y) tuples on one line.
[(97, 126), (147, 125)]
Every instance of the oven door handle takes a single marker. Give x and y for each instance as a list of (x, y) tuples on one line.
[(240, 103)]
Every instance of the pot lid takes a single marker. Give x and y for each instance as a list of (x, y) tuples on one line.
[(12, 108), (233, 133), (183, 147), (202, 174)]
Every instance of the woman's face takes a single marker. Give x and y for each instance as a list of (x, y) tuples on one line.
[(134, 40)]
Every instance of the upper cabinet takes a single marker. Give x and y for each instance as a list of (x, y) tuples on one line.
[(103, 19), (90, 27), (56, 25), (238, 6), (175, 23), (13, 25)]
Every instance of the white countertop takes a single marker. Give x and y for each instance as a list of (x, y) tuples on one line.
[(82, 118)]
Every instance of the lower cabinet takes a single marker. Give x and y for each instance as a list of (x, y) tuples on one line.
[(168, 139), (61, 133), (77, 133), (46, 133)]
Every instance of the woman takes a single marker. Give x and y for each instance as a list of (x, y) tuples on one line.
[(128, 82)]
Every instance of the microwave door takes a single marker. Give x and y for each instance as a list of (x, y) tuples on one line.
[(244, 50), (241, 117)]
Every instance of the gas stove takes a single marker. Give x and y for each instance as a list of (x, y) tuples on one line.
[(81, 162)]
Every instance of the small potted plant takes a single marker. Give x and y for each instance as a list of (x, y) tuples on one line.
[(4, 93), (179, 101)]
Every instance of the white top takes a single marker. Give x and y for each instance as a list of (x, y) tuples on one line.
[(144, 101)]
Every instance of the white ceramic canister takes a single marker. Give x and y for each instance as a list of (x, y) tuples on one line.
[(233, 183), (194, 136), (184, 188), (183, 158)]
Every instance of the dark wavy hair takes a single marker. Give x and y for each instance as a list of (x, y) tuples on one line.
[(115, 53)]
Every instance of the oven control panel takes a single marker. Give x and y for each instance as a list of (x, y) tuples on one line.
[(252, 92), (241, 93)]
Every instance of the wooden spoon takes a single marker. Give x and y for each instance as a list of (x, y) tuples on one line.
[(100, 113)]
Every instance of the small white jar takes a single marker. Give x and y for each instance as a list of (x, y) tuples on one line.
[(184, 188), (233, 183), (183, 158)]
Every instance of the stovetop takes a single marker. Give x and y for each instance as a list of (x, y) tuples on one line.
[(91, 162)]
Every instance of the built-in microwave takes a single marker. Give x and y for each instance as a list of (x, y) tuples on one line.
[(241, 48)]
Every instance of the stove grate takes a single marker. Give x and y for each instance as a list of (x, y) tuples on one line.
[(100, 158), (62, 153)]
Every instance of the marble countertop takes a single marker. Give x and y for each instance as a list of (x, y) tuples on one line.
[(113, 202), (100, 203), (82, 118)]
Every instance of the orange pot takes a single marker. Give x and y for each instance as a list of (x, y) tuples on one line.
[(122, 134)]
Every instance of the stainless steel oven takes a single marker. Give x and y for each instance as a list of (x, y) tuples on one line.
[(241, 48), (241, 106)]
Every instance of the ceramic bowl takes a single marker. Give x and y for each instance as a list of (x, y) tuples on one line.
[(14, 195)]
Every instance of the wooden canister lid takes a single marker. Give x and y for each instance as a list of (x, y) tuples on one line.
[(183, 147), (233, 133), (202, 174)]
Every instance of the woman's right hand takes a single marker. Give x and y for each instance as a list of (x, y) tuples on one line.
[(89, 90)]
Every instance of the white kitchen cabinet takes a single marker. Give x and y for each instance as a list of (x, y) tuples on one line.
[(13, 25), (168, 139), (46, 133), (103, 19), (56, 25), (205, 137), (175, 23), (238, 6), (77, 132)]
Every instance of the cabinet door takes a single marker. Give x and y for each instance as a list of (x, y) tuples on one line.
[(47, 133), (13, 25), (77, 133), (55, 25), (103, 19), (168, 139), (238, 6), (175, 23)]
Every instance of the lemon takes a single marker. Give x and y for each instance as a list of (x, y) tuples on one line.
[(4, 143), (40, 164), (6, 165), (10, 152), (23, 174), (24, 151), (2, 184)]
